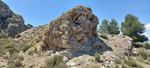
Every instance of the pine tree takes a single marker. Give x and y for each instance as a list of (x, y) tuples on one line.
[(113, 27), (104, 26), (133, 28)]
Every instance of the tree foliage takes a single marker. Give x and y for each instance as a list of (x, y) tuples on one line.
[(133, 28), (89, 8), (113, 27), (104, 26)]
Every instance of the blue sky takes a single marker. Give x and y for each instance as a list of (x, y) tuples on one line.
[(41, 12)]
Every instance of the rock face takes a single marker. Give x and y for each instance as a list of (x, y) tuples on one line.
[(119, 44), (74, 29), (10, 23)]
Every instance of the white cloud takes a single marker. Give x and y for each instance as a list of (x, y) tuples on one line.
[(147, 33), (147, 26)]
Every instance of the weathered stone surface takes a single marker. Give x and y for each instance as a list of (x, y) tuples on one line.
[(119, 44), (74, 29), (84, 61), (10, 23)]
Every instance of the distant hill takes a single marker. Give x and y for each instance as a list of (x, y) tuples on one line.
[(10, 23)]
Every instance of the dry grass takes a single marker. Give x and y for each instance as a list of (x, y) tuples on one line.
[(13, 47), (12, 58), (132, 63), (91, 66), (143, 54), (11, 66), (18, 63), (117, 61), (61, 65), (8, 45), (15, 60)]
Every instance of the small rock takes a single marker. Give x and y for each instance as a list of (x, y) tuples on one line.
[(65, 59)]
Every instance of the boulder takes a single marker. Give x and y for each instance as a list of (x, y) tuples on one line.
[(74, 29)]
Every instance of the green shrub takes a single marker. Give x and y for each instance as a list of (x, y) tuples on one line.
[(97, 57), (89, 8), (101, 53), (116, 66), (103, 36), (147, 45), (54, 61), (34, 45), (12, 50), (110, 49), (17, 36), (130, 63), (26, 48), (29, 26), (10, 45), (126, 53), (112, 35), (138, 44)]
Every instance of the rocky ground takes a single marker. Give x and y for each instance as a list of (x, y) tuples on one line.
[(108, 58)]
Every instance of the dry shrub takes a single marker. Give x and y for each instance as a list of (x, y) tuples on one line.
[(117, 61), (61, 65), (18, 63)]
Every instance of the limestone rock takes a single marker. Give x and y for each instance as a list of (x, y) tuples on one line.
[(74, 29), (119, 44), (10, 23), (84, 61)]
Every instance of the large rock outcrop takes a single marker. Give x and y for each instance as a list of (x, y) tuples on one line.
[(10, 23), (74, 29)]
